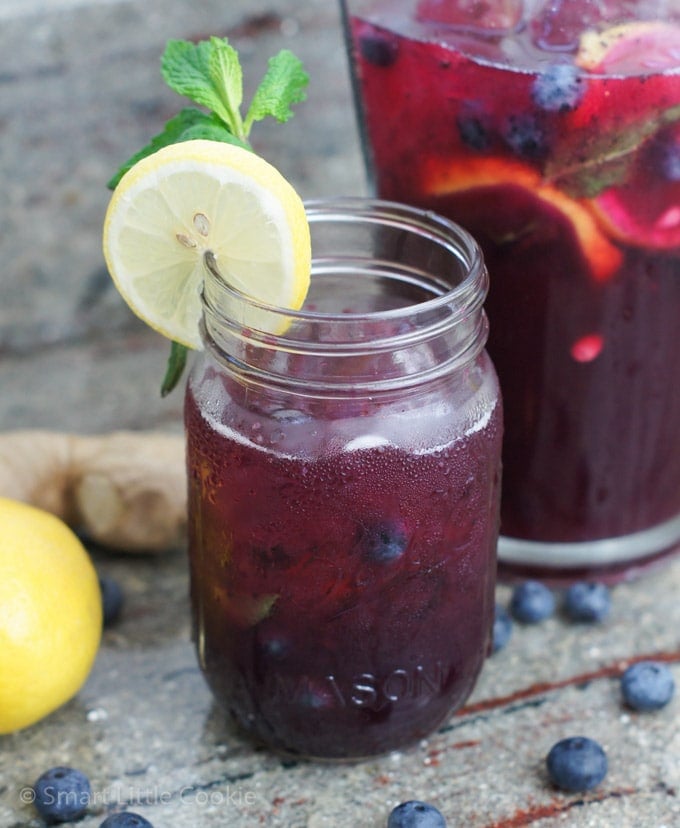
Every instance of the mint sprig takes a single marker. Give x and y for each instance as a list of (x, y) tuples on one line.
[(188, 124), (612, 154), (282, 86), (209, 73)]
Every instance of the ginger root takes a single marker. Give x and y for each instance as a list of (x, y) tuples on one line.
[(125, 490)]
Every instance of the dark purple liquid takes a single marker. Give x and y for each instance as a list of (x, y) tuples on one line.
[(585, 281), (342, 585)]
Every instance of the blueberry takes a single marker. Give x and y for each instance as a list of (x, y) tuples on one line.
[(532, 602), (577, 764), (473, 133), (112, 599), (415, 814), (525, 136), (125, 819), (274, 557), (670, 161), (502, 629), (558, 89), (588, 602), (647, 685), (378, 49), (272, 644), (316, 696), (383, 542), (62, 794)]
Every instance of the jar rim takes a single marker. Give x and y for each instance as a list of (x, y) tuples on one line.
[(471, 290), (433, 257)]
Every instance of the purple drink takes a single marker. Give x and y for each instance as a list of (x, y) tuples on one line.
[(551, 131), (344, 486)]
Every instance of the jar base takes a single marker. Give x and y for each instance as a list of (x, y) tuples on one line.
[(610, 560), (333, 757)]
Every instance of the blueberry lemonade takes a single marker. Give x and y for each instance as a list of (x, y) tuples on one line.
[(343, 424), (551, 131), (344, 485)]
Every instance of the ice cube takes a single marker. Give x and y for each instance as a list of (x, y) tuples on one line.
[(365, 442), (560, 24), (492, 16)]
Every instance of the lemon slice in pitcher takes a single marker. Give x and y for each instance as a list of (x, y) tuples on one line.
[(203, 196)]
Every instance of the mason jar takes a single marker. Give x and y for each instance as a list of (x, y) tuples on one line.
[(344, 466)]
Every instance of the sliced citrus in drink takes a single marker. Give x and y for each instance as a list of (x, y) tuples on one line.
[(631, 88), (199, 197), (632, 48), (509, 203), (642, 208), (644, 211)]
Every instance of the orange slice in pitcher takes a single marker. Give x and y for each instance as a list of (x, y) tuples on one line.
[(508, 201)]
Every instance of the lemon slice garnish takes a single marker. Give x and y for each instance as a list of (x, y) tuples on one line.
[(203, 196)]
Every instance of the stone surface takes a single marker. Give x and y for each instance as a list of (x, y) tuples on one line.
[(146, 731), (80, 89)]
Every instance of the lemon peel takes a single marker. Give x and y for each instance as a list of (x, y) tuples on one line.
[(50, 615)]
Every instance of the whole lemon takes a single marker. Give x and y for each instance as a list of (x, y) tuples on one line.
[(50, 614)]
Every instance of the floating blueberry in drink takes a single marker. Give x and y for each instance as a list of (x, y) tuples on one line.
[(474, 133), (383, 541), (378, 49), (525, 136), (558, 88), (273, 643), (670, 158)]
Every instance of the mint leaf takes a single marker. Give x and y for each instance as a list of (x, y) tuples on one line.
[(185, 67), (227, 79), (190, 123), (284, 84), (612, 155), (192, 70), (175, 368), (211, 128), (209, 73)]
